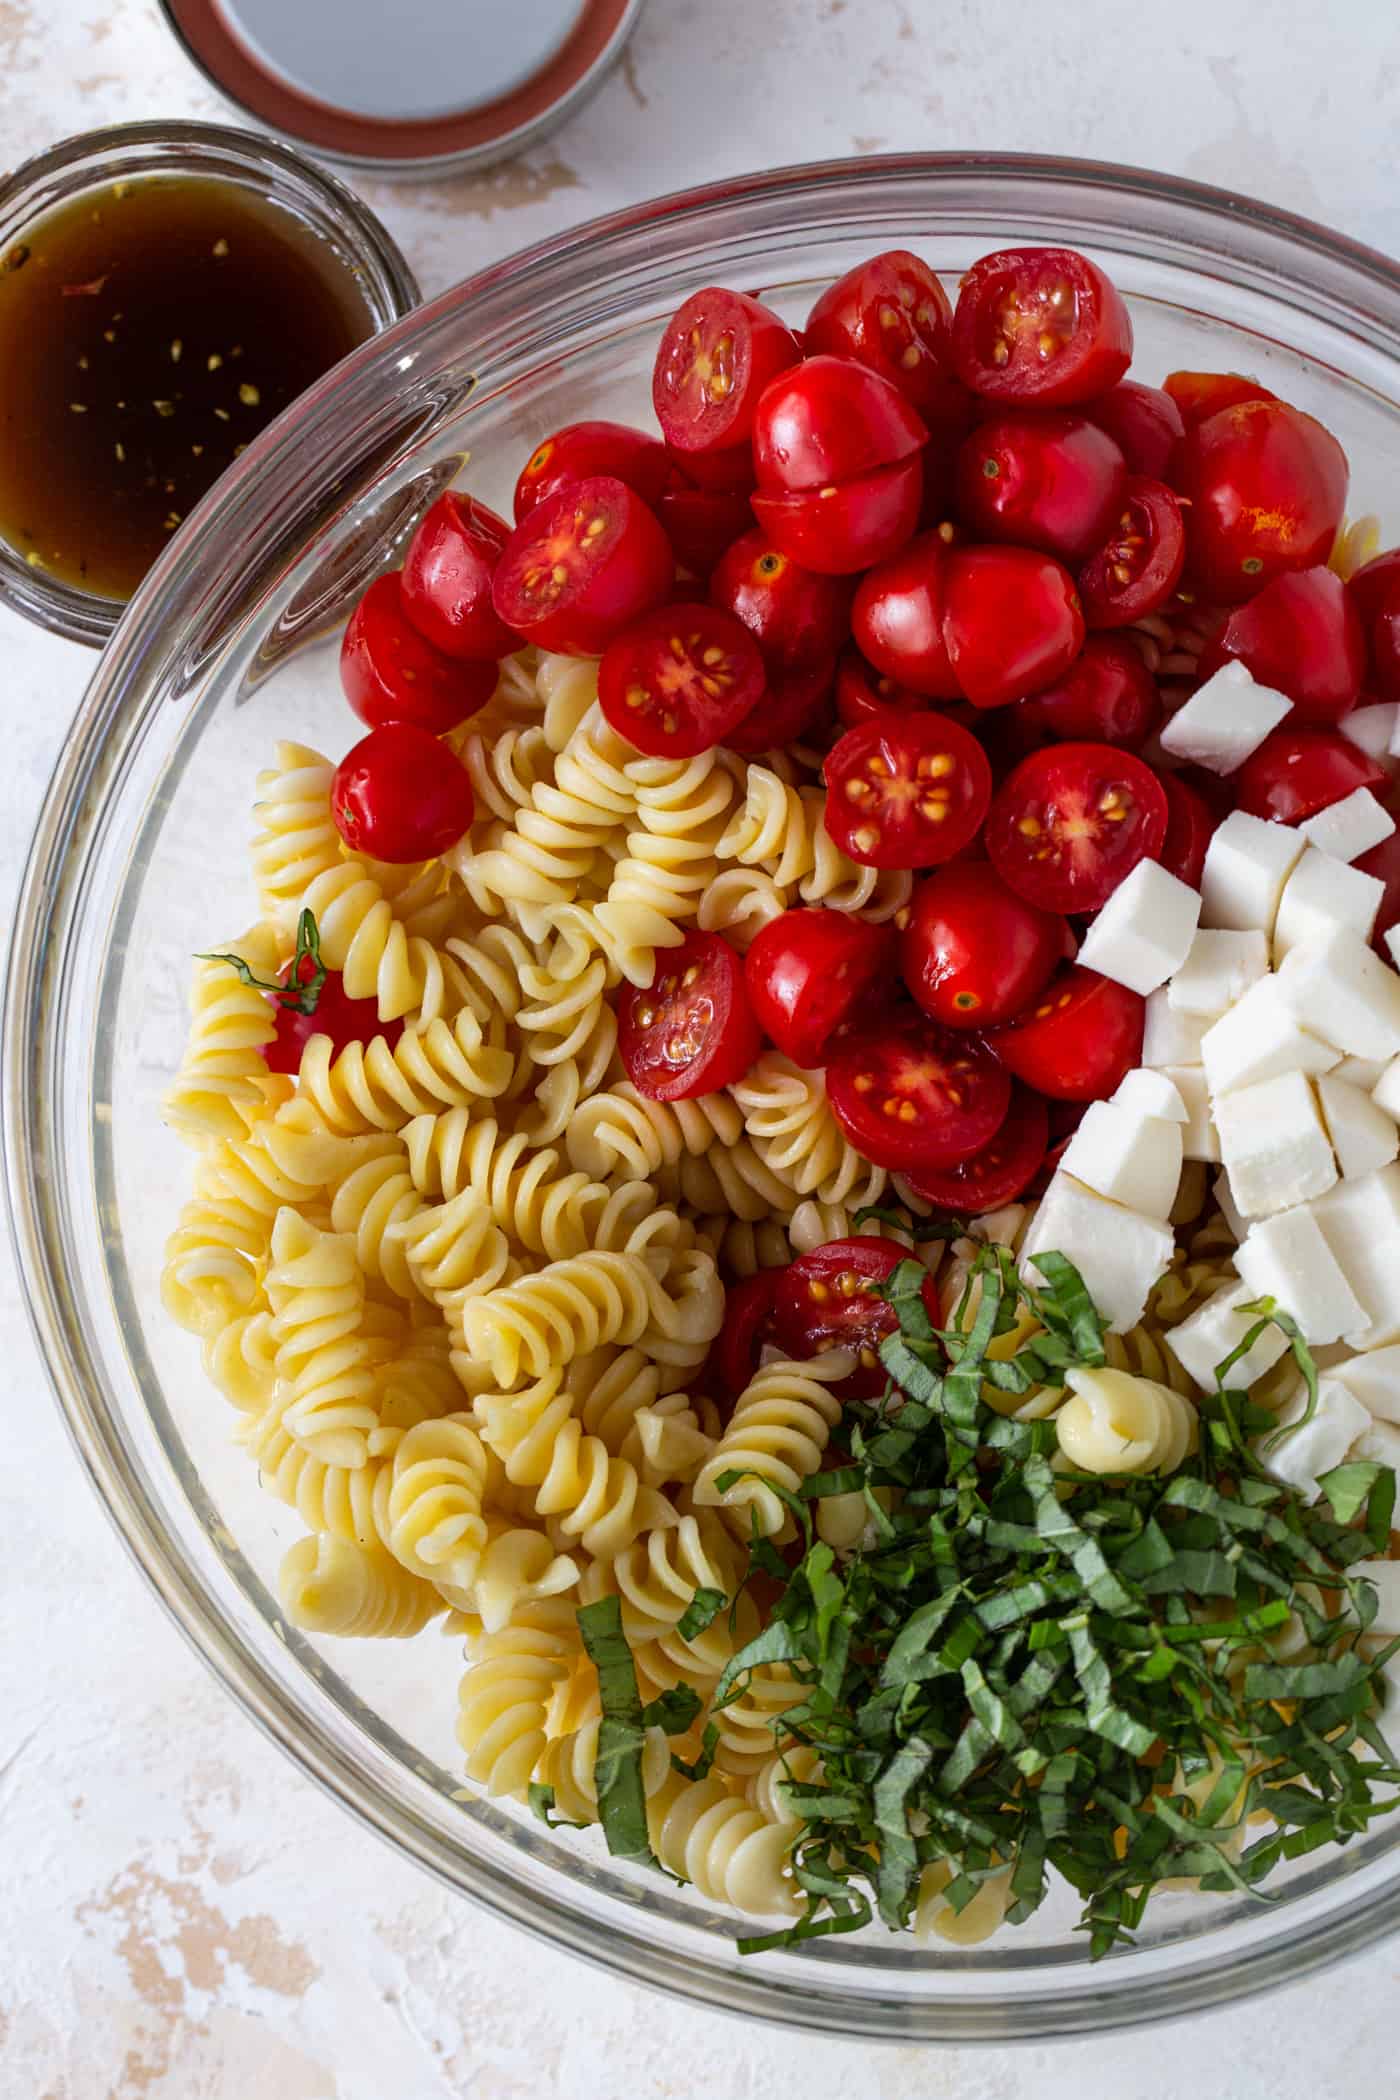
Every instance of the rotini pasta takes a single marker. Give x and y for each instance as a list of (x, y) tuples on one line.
[(1114, 1422), (778, 1431), (787, 1115), (223, 1074), (295, 839), (330, 1585)]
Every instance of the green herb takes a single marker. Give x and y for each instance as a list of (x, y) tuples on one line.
[(617, 1769), (299, 994), (541, 1804), (701, 1612)]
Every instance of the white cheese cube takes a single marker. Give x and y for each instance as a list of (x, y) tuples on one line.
[(1224, 721), (1215, 1331), (1373, 729), (1360, 1222), (1380, 1444), (1133, 1159), (1386, 1091), (1119, 1253), (1220, 1189), (1305, 1453), (1220, 968), (1363, 1136), (1198, 1135), (1374, 1377), (1392, 942), (1248, 861), (1168, 1037), (1273, 1145), (1324, 896), (1144, 931), (1349, 828), (1150, 1094), (1286, 1258), (1260, 1037), (1340, 988), (1365, 1072)]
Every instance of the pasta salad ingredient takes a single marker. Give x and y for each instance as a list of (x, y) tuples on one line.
[(692, 1029), (400, 797)]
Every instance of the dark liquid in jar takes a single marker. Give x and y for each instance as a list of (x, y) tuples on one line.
[(147, 333)]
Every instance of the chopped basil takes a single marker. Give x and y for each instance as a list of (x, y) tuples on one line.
[(617, 1769)]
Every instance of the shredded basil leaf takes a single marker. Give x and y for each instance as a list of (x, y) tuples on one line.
[(617, 1767)]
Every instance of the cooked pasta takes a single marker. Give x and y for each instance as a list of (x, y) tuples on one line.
[(729, 1850), (780, 1426), (787, 1115), (1115, 1422), (223, 1072), (295, 839), (331, 1585)]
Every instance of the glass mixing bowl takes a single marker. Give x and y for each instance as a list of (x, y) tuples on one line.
[(140, 859)]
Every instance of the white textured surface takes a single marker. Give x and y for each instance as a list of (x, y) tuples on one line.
[(185, 1919)]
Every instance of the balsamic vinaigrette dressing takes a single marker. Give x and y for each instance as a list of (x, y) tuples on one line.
[(146, 334)]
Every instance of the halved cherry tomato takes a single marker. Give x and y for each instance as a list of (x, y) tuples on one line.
[(826, 1300), (827, 420), (906, 792), (581, 565), (693, 1029), (795, 616), (1383, 861), (912, 1095), (845, 526), (974, 953), (892, 314), (1011, 622), (581, 450), (897, 618), (748, 1317), (1375, 592), (1139, 565), (1040, 324), (389, 673), (1071, 821), (1191, 826), (1107, 696), (811, 972), (1266, 487), (1198, 395), (794, 703), (728, 472), (677, 681), (1080, 1039), (447, 574), (1041, 479), (401, 795), (718, 353), (343, 1019), (1303, 636), (1001, 1171), (1144, 422), (862, 691), (702, 523), (1296, 772)]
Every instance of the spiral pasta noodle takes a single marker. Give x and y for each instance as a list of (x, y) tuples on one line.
[(223, 1073), (787, 1115), (727, 1849), (670, 860), (1115, 1422), (433, 1522), (779, 1429), (507, 1691), (294, 839), (325, 1358), (331, 1585), (373, 1086), (622, 1134)]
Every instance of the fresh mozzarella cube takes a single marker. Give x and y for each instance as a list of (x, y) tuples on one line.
[(1150, 1094), (1303, 1454), (1374, 1377), (1363, 1136), (1386, 1091), (1260, 1037), (1365, 1072), (1220, 968), (1198, 1134), (1225, 1202), (1273, 1145), (1248, 861), (1286, 1258), (1224, 721), (1119, 1253), (1203, 1342), (1168, 1037), (1133, 1159), (1380, 1444), (1144, 931), (1339, 987), (1324, 896), (1373, 728), (1360, 1222), (1349, 828)]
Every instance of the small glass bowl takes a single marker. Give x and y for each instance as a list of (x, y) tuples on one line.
[(90, 165)]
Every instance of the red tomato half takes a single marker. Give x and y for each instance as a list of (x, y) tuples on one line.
[(1198, 395), (974, 953), (862, 692), (693, 1029), (897, 618), (811, 972), (892, 314), (447, 574), (1375, 592), (718, 353), (1011, 622), (1079, 1041), (795, 616), (401, 795), (906, 792), (1040, 324), (1296, 772), (748, 1317), (343, 1019), (912, 1095), (389, 673), (1071, 821), (1265, 487), (581, 565), (827, 420), (1041, 479), (702, 523), (1191, 826), (825, 1300), (1001, 1171), (1139, 565), (1143, 421), (1383, 862), (677, 681), (1107, 696), (581, 450), (1303, 636), (842, 527), (794, 704)]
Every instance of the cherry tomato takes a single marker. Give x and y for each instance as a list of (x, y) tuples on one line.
[(581, 566), (1001, 1171), (343, 1019), (1266, 487), (906, 791), (718, 353), (728, 472), (1383, 861), (1079, 1041), (1041, 479), (693, 1030), (1197, 395), (1303, 636), (974, 953), (846, 526), (897, 618), (1040, 324), (389, 673), (581, 450), (1191, 826), (702, 523), (1011, 622), (1375, 592), (830, 419), (1071, 821), (748, 1317), (401, 795), (912, 1095), (794, 704), (862, 692), (1143, 421), (1107, 696), (811, 972), (447, 576), (795, 616), (892, 314), (1139, 565), (826, 1300), (677, 681), (1296, 772)]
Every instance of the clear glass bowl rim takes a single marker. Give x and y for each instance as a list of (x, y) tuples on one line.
[(184, 597)]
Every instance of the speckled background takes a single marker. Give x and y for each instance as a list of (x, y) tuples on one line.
[(183, 1917)]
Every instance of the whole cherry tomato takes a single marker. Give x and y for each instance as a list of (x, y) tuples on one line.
[(1191, 826), (692, 1030), (581, 565), (401, 795), (324, 1010), (974, 953), (702, 523), (1079, 1041), (829, 420), (1001, 1171), (1199, 395), (1139, 565), (845, 526), (1040, 324), (829, 1299), (892, 314), (794, 704), (1265, 488), (811, 972), (748, 1318), (717, 354), (1303, 636), (795, 615), (862, 691), (677, 681), (447, 574), (1143, 421), (1041, 479), (911, 1095), (906, 791), (1071, 821), (1107, 696), (1296, 772), (897, 618), (1383, 861), (389, 673), (1375, 592), (581, 450), (1011, 622)]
